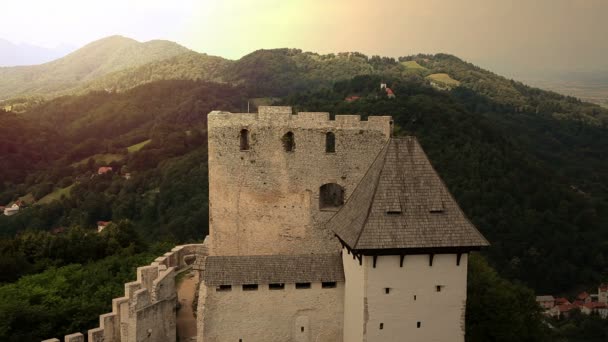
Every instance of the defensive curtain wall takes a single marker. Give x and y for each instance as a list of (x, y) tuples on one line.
[(267, 171), (147, 310)]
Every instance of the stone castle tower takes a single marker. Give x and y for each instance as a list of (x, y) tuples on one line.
[(276, 178), (320, 231), (329, 230)]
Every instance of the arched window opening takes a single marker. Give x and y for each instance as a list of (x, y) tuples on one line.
[(331, 196), (244, 140), (289, 142), (330, 142)]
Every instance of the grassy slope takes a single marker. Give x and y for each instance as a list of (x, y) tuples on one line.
[(56, 195), (104, 158), (137, 147), (444, 78)]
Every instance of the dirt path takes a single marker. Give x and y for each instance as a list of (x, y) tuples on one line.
[(186, 323)]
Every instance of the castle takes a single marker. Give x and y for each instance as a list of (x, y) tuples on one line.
[(320, 230)]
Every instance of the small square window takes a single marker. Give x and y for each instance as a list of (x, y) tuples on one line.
[(250, 287), (302, 285), (418, 325), (277, 286), (387, 290), (328, 284)]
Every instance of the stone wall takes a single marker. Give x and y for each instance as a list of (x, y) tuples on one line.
[(265, 200), (147, 310), (264, 315)]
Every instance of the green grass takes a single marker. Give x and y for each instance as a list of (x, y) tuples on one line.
[(56, 195), (413, 65), (105, 158), (137, 147), (445, 79), (29, 198)]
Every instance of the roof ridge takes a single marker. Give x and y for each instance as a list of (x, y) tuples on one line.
[(369, 207)]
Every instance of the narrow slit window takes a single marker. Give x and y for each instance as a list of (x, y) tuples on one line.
[(302, 285), (381, 326), (289, 142), (439, 288), (418, 325), (276, 286), (387, 290), (414, 297), (223, 288), (330, 142), (393, 212), (244, 140), (250, 287), (301, 329), (328, 284)]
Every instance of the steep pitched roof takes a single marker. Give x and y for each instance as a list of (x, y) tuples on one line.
[(268, 269), (401, 203)]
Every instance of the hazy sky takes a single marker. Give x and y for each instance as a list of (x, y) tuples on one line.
[(506, 36)]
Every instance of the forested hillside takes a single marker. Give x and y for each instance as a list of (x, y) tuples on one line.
[(527, 166), (82, 66)]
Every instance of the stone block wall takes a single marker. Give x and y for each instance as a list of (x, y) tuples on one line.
[(265, 200), (147, 310)]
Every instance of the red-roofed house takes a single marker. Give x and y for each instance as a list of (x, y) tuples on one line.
[(352, 98), (101, 225), (584, 297), (566, 309), (104, 169), (599, 308), (390, 93)]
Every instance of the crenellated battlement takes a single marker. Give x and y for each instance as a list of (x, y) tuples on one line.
[(146, 311), (283, 116)]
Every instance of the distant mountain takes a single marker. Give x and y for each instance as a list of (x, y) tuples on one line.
[(25, 54), (95, 60)]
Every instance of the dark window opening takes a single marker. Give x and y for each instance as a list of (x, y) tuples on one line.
[(302, 285), (223, 288), (330, 142), (381, 326), (328, 284), (250, 287), (244, 140), (387, 290), (277, 286), (240, 340), (331, 196), (301, 329), (418, 325), (439, 288), (289, 142), (414, 297), (393, 212), (436, 211)]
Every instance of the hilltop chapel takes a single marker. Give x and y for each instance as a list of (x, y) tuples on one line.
[(328, 230)]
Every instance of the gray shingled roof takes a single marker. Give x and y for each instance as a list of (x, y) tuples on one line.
[(401, 179), (268, 269)]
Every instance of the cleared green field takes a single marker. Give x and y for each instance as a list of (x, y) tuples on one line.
[(29, 198), (101, 158), (413, 65), (445, 79), (56, 195), (137, 147)]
